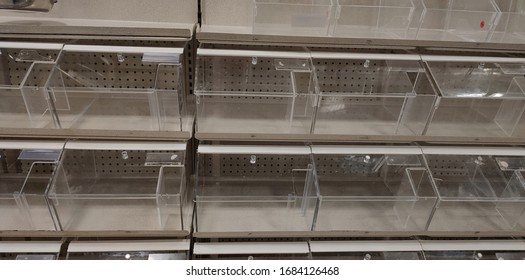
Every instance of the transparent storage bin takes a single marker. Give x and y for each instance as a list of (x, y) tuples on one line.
[(366, 250), (255, 189), (372, 94), (26, 169), (251, 251), (118, 88), (505, 249), (129, 250), (479, 96), (110, 186), (510, 26), (371, 188), (293, 17), (458, 20), (29, 250), (385, 19), (24, 69), (244, 91), (480, 189)]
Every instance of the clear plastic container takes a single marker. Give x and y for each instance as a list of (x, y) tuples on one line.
[(118, 88), (479, 96), (373, 188), (510, 26), (385, 19), (458, 20), (480, 189), (293, 17), (109, 186), (366, 250), (372, 94), (129, 250), (25, 171), (245, 91), (255, 189), (24, 69)]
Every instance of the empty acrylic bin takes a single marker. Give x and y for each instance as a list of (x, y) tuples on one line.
[(480, 189), (372, 94), (372, 188), (454, 20), (510, 26), (129, 250), (479, 96), (26, 169), (255, 189), (24, 70), (110, 186), (241, 91), (385, 19), (118, 88), (292, 17)]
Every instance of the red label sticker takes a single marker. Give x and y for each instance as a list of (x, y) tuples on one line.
[(482, 24)]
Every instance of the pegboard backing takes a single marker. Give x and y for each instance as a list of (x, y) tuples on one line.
[(238, 75), (111, 70), (9, 160), (356, 165), (17, 70), (447, 165), (113, 162), (358, 76), (244, 165)]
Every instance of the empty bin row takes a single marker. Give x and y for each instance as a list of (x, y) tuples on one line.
[(359, 188), (86, 186), (450, 20), (92, 87), (329, 93)]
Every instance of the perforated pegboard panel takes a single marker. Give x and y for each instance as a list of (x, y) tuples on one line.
[(129, 163), (448, 165), (9, 162), (102, 70), (112, 70), (17, 70), (246, 165), (356, 76), (358, 165), (238, 75)]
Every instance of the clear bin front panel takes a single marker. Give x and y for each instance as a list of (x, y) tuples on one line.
[(478, 192), (137, 190), (23, 75), (454, 20), (372, 97), (292, 17), (116, 88), (24, 179), (385, 19), (254, 94), (479, 99), (510, 26), (255, 193), (373, 192)]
